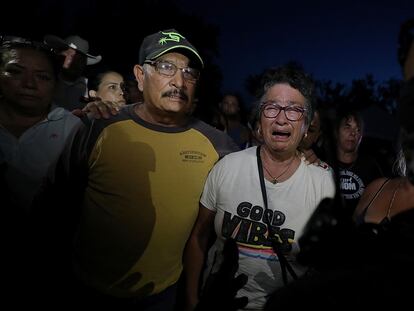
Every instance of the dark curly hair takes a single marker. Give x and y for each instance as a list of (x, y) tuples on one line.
[(8, 43), (296, 78)]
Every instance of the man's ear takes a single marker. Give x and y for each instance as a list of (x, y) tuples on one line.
[(139, 76), (92, 93)]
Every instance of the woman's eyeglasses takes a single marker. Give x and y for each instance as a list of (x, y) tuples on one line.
[(272, 109)]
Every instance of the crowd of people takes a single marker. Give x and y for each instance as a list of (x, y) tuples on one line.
[(117, 196)]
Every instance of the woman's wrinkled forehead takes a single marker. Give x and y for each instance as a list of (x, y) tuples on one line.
[(284, 93)]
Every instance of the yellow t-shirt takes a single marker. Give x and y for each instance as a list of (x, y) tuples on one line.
[(143, 188)]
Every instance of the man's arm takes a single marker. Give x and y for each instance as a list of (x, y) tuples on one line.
[(194, 255)]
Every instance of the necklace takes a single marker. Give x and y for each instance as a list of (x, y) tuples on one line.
[(275, 179)]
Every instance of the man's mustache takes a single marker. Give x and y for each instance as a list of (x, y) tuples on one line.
[(176, 92)]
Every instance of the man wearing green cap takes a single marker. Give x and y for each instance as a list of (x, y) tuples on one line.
[(137, 178)]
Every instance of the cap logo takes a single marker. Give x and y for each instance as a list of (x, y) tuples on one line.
[(170, 36)]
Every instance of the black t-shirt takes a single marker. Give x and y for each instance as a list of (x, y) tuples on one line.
[(354, 177)]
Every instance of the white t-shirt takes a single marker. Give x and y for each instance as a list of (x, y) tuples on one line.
[(27, 159), (233, 191)]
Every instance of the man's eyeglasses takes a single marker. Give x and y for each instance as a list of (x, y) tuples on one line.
[(169, 69), (292, 113)]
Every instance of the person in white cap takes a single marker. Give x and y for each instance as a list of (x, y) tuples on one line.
[(71, 88)]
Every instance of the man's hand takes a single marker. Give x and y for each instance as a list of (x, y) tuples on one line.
[(310, 156), (98, 109)]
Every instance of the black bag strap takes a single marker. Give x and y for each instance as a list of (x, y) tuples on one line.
[(276, 245)]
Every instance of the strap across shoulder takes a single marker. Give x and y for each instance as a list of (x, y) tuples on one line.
[(364, 212)]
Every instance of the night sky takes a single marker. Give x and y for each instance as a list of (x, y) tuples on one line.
[(333, 40)]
